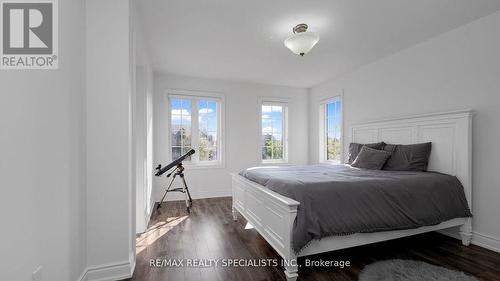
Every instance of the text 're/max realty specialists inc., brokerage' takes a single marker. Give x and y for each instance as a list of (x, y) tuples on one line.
[(29, 34), (241, 262)]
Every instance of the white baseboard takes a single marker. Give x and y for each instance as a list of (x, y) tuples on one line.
[(486, 241), (479, 239), (109, 272), (83, 276), (198, 195)]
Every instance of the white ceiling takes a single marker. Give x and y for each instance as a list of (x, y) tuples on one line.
[(243, 40)]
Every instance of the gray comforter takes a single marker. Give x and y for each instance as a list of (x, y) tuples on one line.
[(341, 200)]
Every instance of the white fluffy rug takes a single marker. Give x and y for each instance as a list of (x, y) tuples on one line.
[(409, 270)]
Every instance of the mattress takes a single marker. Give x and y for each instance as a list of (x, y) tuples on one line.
[(342, 200)]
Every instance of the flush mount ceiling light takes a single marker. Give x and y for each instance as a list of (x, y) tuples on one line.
[(301, 42)]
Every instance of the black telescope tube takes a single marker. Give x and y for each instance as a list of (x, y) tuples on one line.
[(162, 170)]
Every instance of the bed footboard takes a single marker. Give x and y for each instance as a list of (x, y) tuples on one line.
[(271, 214)]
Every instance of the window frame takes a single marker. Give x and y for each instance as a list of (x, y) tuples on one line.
[(196, 96), (323, 129), (284, 125)]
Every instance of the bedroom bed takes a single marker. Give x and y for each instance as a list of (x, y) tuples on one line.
[(337, 218)]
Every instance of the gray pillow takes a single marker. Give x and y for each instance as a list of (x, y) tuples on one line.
[(411, 157), (369, 158), (355, 148)]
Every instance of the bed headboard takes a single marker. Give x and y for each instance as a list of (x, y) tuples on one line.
[(449, 132)]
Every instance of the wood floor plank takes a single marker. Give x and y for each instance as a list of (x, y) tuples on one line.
[(209, 232)]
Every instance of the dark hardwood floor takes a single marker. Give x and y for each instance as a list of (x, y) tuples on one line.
[(209, 232)]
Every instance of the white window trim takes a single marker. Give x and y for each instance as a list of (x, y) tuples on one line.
[(221, 126), (280, 102), (322, 129)]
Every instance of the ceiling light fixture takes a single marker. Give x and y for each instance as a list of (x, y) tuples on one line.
[(301, 42)]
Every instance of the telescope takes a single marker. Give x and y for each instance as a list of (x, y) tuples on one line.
[(178, 171), (162, 170)]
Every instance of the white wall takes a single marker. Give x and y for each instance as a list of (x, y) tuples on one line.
[(144, 173), (459, 69), (66, 152), (110, 180), (42, 201), (242, 132), (142, 116)]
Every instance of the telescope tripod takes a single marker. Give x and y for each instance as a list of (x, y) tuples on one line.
[(179, 171)]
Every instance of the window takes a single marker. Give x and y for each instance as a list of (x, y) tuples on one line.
[(331, 130), (207, 130), (195, 122), (274, 132), (181, 113)]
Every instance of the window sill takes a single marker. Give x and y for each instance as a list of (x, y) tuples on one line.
[(198, 166), (275, 163)]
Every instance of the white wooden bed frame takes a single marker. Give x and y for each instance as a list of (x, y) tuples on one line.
[(273, 215)]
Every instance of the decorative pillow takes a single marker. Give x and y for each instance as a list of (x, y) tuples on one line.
[(355, 148), (411, 157), (369, 158)]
